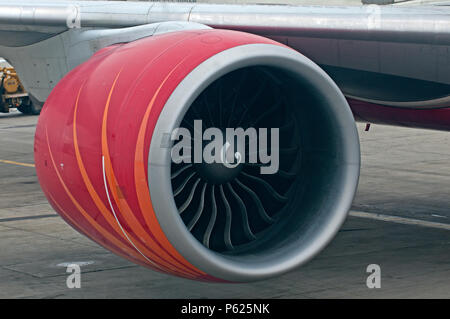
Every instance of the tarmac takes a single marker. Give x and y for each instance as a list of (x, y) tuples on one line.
[(400, 220)]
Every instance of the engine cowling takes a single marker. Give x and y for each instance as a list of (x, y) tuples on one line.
[(103, 155)]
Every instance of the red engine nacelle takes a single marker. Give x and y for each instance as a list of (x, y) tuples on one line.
[(101, 161)]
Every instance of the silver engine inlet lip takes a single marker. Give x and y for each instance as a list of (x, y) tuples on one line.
[(250, 268)]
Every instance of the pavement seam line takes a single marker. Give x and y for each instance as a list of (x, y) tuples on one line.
[(400, 220)]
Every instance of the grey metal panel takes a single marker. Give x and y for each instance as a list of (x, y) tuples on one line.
[(417, 25), (37, 14), (22, 25), (397, 24), (404, 41), (416, 60), (42, 64), (21, 38), (374, 23)]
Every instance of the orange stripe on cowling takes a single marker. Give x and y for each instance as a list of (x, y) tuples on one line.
[(91, 220), (141, 182), (125, 209), (77, 226), (106, 213)]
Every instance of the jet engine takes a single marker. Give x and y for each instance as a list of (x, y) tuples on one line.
[(105, 142)]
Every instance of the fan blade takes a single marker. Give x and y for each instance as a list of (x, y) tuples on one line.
[(189, 199), (244, 215), (181, 170), (236, 94), (261, 211), (269, 111), (199, 212), (227, 231), (181, 187), (212, 221), (267, 186)]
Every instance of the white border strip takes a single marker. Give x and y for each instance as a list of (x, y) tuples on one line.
[(115, 216)]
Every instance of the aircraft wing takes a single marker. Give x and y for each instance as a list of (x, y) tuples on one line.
[(120, 78), (394, 45), (415, 24)]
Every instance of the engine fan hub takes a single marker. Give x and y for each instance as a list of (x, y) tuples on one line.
[(224, 166), (218, 173)]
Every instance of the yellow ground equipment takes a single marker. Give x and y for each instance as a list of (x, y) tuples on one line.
[(13, 93)]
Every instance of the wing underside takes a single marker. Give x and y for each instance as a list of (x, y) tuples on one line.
[(374, 53)]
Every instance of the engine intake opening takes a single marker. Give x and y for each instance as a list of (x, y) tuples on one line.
[(239, 223), (228, 207)]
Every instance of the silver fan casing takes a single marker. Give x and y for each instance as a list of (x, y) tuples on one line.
[(299, 247)]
